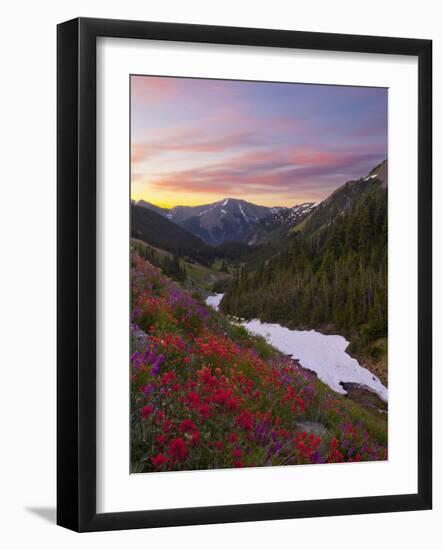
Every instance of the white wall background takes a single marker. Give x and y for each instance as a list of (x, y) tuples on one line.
[(27, 289)]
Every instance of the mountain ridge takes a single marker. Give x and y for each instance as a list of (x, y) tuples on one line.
[(231, 219), (237, 220)]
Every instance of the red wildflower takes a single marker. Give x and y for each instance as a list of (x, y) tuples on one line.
[(187, 426), (159, 416), (146, 410), (236, 453), (168, 377), (167, 425), (205, 411), (232, 404), (334, 454), (178, 449), (159, 460), (193, 399), (195, 438), (245, 420), (219, 445), (233, 437)]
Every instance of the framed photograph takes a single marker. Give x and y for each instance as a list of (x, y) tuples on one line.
[(244, 274)]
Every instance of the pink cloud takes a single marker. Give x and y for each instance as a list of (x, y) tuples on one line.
[(192, 140), (273, 172), (151, 90)]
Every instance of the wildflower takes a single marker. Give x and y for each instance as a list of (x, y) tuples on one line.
[(167, 425), (236, 453), (147, 410), (193, 399), (187, 426), (159, 460), (168, 377), (159, 416), (178, 449), (157, 364), (205, 411), (245, 420), (147, 389), (195, 438), (301, 404)]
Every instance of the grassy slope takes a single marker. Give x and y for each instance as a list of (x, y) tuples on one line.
[(199, 277)]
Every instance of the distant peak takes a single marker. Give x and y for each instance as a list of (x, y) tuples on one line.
[(380, 172)]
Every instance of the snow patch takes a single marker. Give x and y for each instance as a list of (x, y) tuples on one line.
[(244, 215), (324, 354), (214, 301)]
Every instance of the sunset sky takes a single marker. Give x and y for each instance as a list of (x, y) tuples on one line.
[(196, 141)]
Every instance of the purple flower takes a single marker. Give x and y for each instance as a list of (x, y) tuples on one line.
[(157, 364), (148, 388), (315, 457)]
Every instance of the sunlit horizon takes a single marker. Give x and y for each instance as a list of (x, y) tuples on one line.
[(185, 202)]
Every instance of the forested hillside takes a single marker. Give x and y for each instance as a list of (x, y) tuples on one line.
[(151, 227), (155, 229), (333, 272)]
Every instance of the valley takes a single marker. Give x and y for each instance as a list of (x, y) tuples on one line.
[(258, 273), (303, 302), (315, 266)]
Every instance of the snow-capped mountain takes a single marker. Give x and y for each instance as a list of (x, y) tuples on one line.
[(219, 222), (223, 221), (232, 219), (279, 220), (291, 215)]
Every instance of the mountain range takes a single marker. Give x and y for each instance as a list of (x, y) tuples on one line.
[(232, 228), (232, 220)]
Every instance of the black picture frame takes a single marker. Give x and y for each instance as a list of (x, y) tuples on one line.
[(76, 265)]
